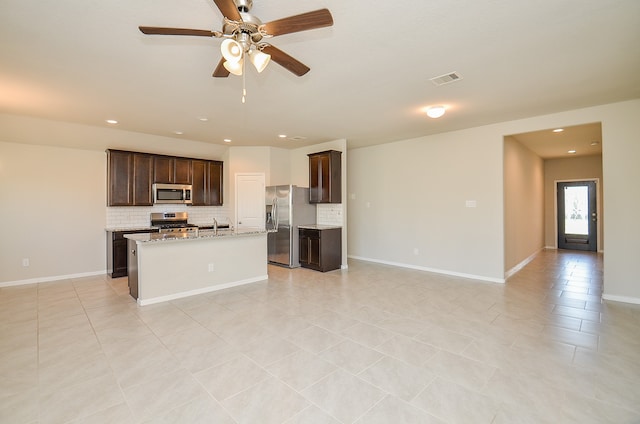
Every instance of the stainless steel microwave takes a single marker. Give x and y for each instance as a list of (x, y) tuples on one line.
[(172, 193)]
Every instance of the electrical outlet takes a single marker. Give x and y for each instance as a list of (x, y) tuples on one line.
[(25, 262), (211, 268)]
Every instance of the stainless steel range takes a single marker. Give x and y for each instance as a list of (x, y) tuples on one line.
[(173, 223)]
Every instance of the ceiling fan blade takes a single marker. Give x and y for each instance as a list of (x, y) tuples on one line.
[(288, 62), (176, 31), (229, 9), (221, 71), (306, 21)]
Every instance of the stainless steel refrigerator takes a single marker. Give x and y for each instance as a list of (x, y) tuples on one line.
[(287, 207)]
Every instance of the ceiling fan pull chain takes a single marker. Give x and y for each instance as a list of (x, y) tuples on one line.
[(244, 90)]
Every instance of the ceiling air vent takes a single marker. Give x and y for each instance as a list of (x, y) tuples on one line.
[(446, 78), (297, 138)]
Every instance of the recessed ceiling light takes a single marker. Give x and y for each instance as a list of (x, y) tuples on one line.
[(435, 111), (111, 121), (227, 140), (203, 119), (282, 136), (571, 151), (178, 132), (558, 130), (595, 143)]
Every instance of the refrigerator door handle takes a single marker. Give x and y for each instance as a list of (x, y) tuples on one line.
[(269, 222), (275, 212)]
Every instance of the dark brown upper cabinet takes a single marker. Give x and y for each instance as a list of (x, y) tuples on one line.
[(325, 170), (171, 170), (207, 183), (129, 176)]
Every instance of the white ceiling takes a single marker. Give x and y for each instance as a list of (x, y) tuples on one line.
[(85, 61)]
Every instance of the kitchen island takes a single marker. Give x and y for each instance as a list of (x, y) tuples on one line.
[(164, 267)]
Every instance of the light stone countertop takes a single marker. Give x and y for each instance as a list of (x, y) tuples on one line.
[(319, 227), (147, 228), (154, 228), (202, 234)]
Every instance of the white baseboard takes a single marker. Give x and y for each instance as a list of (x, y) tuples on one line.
[(521, 265), (434, 270), (175, 296), (556, 248), (50, 279), (625, 299)]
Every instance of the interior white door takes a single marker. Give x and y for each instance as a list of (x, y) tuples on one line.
[(250, 206)]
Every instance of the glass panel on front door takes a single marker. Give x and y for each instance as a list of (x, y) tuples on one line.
[(576, 210), (577, 217)]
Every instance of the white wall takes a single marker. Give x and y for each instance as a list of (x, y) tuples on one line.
[(53, 212), (279, 167), (523, 204), (407, 203), (621, 170)]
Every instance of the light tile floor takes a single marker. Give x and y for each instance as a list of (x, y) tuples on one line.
[(374, 344)]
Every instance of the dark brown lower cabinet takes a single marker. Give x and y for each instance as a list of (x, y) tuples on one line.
[(117, 251), (321, 249)]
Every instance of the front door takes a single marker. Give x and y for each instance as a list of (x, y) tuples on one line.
[(577, 215)]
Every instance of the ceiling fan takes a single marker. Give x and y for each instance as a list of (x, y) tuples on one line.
[(244, 36)]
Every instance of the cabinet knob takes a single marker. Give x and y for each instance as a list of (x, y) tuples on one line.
[(133, 252)]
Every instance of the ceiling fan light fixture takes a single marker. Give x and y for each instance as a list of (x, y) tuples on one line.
[(234, 67), (231, 50), (259, 59), (435, 111)]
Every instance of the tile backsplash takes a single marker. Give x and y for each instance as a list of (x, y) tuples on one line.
[(139, 216), (329, 214)]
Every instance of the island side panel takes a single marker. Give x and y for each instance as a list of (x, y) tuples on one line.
[(173, 269), (132, 267)]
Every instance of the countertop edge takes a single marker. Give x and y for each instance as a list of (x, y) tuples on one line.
[(202, 235), (319, 227)]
